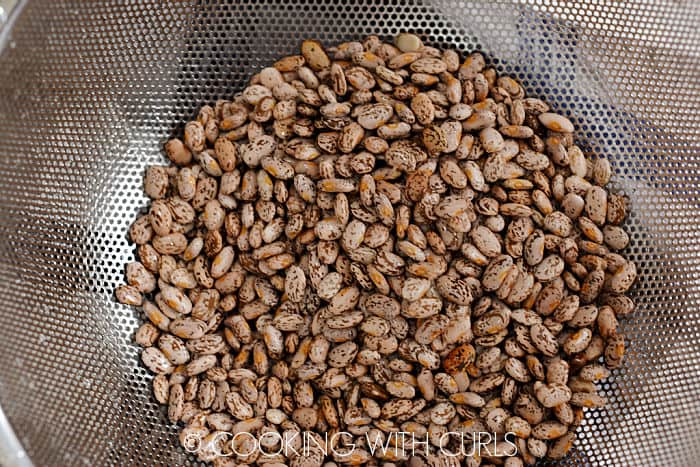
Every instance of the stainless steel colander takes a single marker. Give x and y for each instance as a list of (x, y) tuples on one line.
[(89, 91)]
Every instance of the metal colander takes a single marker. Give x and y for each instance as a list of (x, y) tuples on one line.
[(90, 90)]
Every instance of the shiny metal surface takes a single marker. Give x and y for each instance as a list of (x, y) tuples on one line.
[(6, 7), (90, 90), (11, 451)]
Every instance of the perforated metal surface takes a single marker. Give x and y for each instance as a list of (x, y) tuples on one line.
[(89, 91)]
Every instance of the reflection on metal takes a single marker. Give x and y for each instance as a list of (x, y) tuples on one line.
[(90, 90), (11, 452), (6, 7)]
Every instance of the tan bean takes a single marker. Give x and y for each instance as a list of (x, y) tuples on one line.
[(402, 220), (543, 339), (156, 362), (623, 278), (556, 122)]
